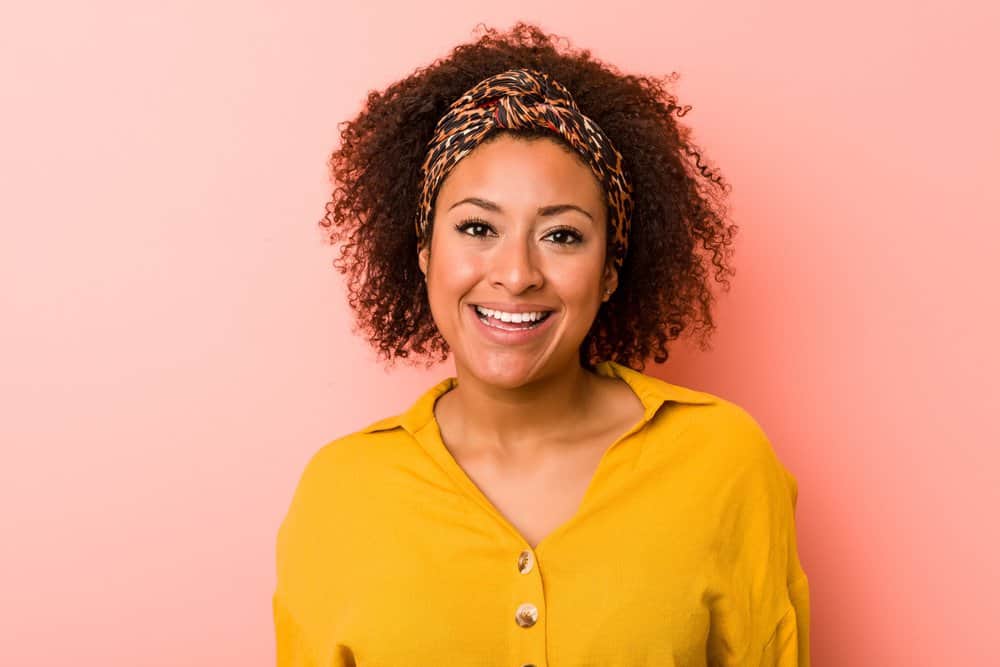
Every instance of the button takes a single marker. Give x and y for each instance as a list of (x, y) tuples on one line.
[(525, 562), (527, 615), (527, 664)]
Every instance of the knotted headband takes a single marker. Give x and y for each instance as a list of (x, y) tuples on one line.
[(526, 99)]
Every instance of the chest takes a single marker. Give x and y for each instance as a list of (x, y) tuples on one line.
[(440, 585), (537, 499)]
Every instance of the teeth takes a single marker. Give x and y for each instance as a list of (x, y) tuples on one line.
[(516, 318)]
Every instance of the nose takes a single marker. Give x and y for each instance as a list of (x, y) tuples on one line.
[(514, 265)]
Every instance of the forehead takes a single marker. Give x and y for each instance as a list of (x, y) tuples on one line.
[(534, 171)]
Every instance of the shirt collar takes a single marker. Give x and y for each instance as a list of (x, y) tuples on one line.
[(651, 391)]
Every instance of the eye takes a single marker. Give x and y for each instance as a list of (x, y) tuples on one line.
[(477, 225), (569, 236)]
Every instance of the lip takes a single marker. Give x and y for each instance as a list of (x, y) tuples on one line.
[(509, 337), (515, 307)]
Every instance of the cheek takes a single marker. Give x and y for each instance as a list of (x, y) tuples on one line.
[(455, 271), (578, 282), (452, 272)]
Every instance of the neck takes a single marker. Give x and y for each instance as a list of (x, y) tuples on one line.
[(516, 422)]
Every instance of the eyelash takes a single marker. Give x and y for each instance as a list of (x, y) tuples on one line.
[(472, 222)]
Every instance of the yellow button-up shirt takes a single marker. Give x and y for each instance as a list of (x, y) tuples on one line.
[(682, 552)]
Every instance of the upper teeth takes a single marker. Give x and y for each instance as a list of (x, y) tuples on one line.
[(510, 317)]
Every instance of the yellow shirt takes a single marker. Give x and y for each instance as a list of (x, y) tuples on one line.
[(682, 552)]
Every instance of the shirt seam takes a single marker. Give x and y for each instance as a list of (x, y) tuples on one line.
[(774, 632), (302, 644)]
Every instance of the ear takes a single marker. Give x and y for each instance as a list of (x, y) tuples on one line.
[(423, 256), (609, 282)]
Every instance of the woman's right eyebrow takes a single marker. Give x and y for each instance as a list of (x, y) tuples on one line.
[(482, 203)]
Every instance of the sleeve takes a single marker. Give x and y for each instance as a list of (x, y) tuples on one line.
[(295, 545), (788, 645), (304, 591), (292, 649), (760, 603)]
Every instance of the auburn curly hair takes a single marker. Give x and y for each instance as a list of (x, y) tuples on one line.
[(679, 229)]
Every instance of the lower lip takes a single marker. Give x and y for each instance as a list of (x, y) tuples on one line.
[(510, 337)]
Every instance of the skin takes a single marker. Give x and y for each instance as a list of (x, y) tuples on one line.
[(527, 422)]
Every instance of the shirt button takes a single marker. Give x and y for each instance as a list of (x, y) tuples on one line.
[(527, 664), (527, 615), (525, 562)]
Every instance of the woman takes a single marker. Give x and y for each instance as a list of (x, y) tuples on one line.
[(536, 214)]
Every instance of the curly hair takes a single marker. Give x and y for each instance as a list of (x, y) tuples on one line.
[(679, 228)]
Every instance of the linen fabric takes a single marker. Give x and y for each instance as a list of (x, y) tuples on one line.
[(683, 551)]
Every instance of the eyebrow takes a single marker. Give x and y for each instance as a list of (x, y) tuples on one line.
[(554, 209)]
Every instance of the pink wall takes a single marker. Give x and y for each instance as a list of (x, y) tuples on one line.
[(175, 344)]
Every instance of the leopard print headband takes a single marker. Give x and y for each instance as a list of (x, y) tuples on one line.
[(524, 99)]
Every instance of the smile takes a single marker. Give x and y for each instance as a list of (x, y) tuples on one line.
[(509, 328), (510, 321)]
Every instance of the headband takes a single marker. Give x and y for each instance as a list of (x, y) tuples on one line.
[(521, 99)]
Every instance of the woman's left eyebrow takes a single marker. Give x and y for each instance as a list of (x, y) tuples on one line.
[(555, 209), (543, 211)]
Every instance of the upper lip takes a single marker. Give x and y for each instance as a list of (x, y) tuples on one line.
[(515, 307)]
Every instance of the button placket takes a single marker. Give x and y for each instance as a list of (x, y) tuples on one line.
[(525, 561), (528, 611), (527, 615)]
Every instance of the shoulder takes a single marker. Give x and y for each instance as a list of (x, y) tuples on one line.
[(360, 457), (728, 443), (348, 465), (729, 422), (339, 481), (743, 453), (678, 409), (710, 420), (349, 453)]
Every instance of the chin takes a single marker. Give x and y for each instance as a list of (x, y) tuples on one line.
[(509, 369), (506, 370)]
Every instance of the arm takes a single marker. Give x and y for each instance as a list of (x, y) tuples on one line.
[(760, 606)]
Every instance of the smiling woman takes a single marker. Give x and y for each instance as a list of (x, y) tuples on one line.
[(542, 218), (522, 229)]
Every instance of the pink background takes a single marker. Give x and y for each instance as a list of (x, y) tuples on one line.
[(176, 345)]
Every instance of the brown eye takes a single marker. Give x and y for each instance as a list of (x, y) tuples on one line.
[(565, 236), (476, 225)]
